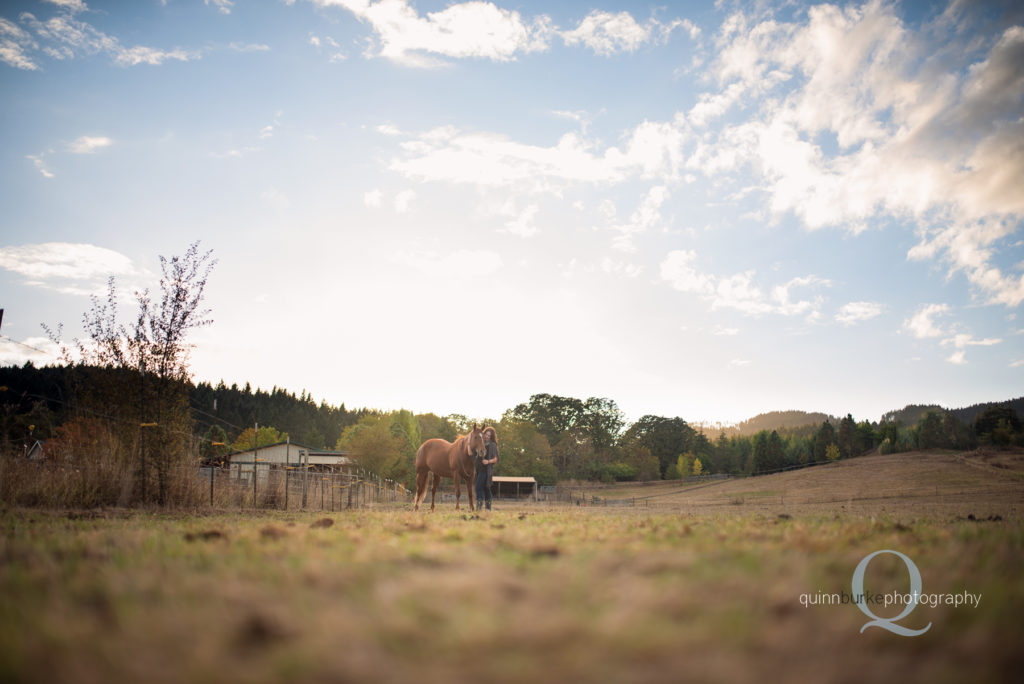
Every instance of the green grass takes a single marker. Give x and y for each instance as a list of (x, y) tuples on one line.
[(531, 594)]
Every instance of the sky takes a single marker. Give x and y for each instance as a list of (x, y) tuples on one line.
[(705, 210)]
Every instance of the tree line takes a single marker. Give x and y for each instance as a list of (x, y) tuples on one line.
[(550, 437), (124, 421)]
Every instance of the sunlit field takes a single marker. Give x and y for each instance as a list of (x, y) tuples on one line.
[(527, 592)]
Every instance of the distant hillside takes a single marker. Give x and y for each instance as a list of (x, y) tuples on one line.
[(969, 413), (780, 420), (908, 415), (912, 413)]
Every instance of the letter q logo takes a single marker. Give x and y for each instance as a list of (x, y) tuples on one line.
[(888, 623)]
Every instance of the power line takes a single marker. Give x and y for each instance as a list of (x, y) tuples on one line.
[(29, 346)]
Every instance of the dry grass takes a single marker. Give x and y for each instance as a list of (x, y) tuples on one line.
[(939, 483), (529, 593)]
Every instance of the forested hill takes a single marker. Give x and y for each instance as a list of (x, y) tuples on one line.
[(235, 409), (912, 413), (908, 415), (41, 397), (969, 413), (780, 420)]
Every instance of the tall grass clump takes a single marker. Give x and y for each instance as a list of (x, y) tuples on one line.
[(87, 465)]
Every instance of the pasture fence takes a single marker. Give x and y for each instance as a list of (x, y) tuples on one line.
[(276, 486)]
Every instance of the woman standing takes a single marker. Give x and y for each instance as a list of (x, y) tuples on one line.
[(485, 468)]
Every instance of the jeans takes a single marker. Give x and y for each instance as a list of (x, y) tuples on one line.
[(483, 492)]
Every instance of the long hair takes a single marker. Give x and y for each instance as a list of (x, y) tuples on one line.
[(494, 434)]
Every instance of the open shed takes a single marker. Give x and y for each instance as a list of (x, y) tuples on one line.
[(514, 487)]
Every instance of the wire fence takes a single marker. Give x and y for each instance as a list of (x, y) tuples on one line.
[(276, 486)]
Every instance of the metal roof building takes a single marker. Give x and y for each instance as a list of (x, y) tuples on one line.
[(514, 487)]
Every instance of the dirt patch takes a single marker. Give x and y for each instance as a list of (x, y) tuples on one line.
[(273, 532), (205, 535)]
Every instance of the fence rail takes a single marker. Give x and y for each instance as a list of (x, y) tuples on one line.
[(296, 488)]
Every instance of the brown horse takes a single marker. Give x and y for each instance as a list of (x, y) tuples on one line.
[(447, 459)]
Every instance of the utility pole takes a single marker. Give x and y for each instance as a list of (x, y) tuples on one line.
[(142, 431), (255, 453)]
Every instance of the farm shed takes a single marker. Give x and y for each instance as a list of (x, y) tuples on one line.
[(36, 452), (514, 487), (289, 455)]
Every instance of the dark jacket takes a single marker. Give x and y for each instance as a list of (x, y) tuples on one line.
[(491, 453)]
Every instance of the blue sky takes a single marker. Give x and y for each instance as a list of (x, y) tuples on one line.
[(697, 209)]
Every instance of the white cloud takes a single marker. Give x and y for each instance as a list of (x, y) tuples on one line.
[(970, 249), (580, 117), (223, 6), (620, 268), (460, 264), (337, 54), (608, 33), (236, 153), (66, 267), (737, 363), (470, 29), (152, 56), (88, 144), (478, 29), (921, 325), (73, 6), (14, 42), (855, 312), (275, 199), (37, 161), (66, 37), (738, 291), (721, 331), (403, 199), (373, 198), (961, 341), (646, 216), (651, 150), (524, 224), (677, 269), (239, 46), (784, 304), (926, 125)]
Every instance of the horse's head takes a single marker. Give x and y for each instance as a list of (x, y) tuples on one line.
[(475, 444)]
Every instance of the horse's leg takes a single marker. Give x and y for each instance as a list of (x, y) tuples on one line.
[(421, 488), (458, 494), (433, 490), (471, 485)]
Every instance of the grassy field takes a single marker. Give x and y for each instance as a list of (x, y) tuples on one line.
[(939, 483), (708, 592)]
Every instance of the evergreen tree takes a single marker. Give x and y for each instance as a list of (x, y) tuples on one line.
[(825, 436), (847, 438)]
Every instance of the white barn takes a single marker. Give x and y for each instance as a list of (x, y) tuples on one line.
[(289, 455)]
